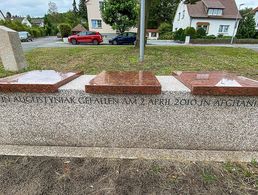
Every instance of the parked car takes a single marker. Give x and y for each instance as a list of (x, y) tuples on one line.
[(86, 37), (25, 36), (124, 38)]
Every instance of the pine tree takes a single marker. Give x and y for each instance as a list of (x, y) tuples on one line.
[(83, 9), (246, 27), (75, 9)]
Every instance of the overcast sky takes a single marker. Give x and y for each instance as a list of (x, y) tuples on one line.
[(40, 7)]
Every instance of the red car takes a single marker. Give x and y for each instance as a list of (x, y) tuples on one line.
[(86, 37)]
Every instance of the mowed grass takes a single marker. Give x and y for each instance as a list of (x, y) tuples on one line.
[(160, 60)]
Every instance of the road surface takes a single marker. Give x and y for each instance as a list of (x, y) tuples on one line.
[(54, 42)]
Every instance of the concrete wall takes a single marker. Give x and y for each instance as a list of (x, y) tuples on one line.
[(94, 14), (181, 22), (176, 119)]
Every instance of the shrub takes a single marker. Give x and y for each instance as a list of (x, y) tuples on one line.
[(179, 35), (65, 29), (220, 36), (200, 33), (190, 31), (166, 36), (165, 28), (210, 37)]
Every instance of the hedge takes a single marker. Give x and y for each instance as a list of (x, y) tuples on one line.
[(223, 41)]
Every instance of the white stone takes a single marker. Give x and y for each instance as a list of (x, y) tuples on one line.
[(11, 51)]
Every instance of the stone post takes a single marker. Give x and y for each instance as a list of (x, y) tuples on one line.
[(11, 51)]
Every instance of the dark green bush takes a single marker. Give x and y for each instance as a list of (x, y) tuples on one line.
[(65, 29), (179, 35), (200, 33), (190, 31), (210, 37), (166, 36), (220, 36)]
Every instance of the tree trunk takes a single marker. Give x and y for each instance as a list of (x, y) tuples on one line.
[(147, 13)]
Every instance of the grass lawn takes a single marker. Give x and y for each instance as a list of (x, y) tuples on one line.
[(160, 60)]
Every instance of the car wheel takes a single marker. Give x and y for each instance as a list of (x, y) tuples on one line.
[(74, 42), (95, 42), (114, 42)]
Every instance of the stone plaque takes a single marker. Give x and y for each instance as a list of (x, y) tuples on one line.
[(124, 83), (38, 81), (218, 83)]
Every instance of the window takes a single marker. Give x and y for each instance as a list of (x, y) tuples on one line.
[(101, 5), (96, 23), (82, 33), (215, 12), (223, 28), (183, 15), (153, 34), (179, 15)]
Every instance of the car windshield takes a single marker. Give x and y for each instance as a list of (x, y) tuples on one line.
[(23, 33)]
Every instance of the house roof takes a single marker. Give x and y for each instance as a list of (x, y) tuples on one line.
[(78, 28), (18, 18), (199, 9), (255, 9), (152, 30), (213, 4), (37, 20)]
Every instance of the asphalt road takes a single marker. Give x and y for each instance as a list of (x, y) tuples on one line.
[(54, 42)]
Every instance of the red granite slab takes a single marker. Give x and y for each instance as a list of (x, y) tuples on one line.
[(218, 83), (38, 81), (124, 83)]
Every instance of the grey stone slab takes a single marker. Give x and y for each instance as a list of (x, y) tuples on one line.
[(129, 153), (173, 120), (11, 50)]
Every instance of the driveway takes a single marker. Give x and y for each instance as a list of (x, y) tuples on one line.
[(42, 42)]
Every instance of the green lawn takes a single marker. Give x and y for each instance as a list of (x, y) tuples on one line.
[(160, 60)]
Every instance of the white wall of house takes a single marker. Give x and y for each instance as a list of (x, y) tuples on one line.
[(153, 35), (26, 22), (215, 24), (94, 16), (182, 18), (256, 20)]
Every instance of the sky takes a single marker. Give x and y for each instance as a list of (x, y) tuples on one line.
[(37, 8)]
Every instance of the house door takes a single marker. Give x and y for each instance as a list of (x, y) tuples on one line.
[(204, 25)]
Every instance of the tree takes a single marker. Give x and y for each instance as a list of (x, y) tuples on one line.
[(52, 8), (75, 9), (147, 14), (65, 29), (247, 24), (83, 9), (120, 14), (162, 11), (8, 15)]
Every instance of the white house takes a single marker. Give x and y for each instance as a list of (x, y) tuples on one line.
[(256, 17), (23, 20), (2, 17), (215, 16), (38, 22), (95, 21)]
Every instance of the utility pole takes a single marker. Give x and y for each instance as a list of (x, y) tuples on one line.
[(142, 31), (236, 24)]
